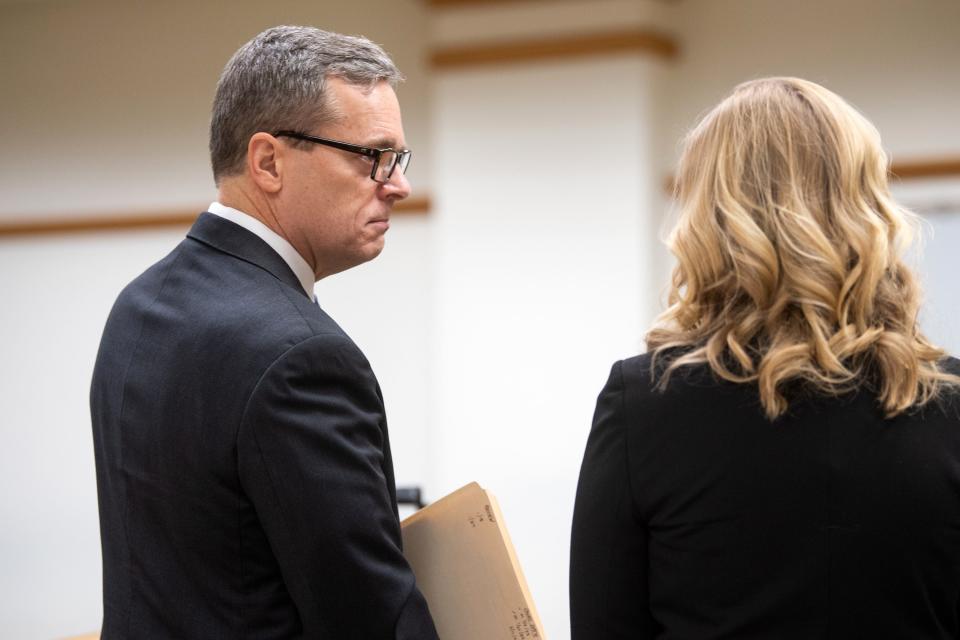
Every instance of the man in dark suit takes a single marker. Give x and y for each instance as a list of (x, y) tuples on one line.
[(245, 481)]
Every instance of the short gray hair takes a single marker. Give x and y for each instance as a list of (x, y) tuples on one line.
[(278, 80)]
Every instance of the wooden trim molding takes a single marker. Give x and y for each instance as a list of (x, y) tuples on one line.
[(555, 47), (62, 225), (152, 220), (926, 168), (904, 170), (443, 4)]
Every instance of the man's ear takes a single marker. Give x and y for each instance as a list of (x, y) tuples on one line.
[(265, 157)]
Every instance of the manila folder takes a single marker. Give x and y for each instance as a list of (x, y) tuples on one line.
[(467, 569)]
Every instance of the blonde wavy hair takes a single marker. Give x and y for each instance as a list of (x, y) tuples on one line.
[(789, 254)]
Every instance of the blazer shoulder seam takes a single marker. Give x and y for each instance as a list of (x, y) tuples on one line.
[(316, 337)]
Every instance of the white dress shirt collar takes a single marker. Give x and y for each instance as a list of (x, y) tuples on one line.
[(283, 248)]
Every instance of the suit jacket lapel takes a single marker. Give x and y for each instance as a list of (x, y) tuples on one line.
[(233, 239)]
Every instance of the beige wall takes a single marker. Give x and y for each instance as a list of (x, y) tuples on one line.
[(896, 60), (105, 105)]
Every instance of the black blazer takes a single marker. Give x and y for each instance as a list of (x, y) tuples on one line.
[(698, 518), (245, 483)]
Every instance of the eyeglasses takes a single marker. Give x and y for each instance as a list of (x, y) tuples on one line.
[(384, 160)]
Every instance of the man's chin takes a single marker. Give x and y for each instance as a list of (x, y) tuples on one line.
[(371, 250), (376, 249)]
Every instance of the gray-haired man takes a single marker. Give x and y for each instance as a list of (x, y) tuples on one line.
[(243, 464)]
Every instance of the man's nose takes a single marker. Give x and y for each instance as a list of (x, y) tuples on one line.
[(397, 187)]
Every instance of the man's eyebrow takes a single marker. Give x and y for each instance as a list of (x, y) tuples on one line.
[(383, 143)]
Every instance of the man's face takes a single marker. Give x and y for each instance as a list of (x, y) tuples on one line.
[(330, 209)]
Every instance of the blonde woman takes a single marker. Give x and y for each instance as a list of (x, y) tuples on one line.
[(784, 462)]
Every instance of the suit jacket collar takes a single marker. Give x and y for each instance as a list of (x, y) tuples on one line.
[(236, 241)]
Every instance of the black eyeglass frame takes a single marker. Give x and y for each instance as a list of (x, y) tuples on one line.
[(402, 156)]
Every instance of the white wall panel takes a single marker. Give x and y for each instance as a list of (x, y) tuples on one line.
[(937, 201), (56, 295), (543, 176)]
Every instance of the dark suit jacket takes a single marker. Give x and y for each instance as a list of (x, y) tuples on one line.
[(698, 518), (245, 483)]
